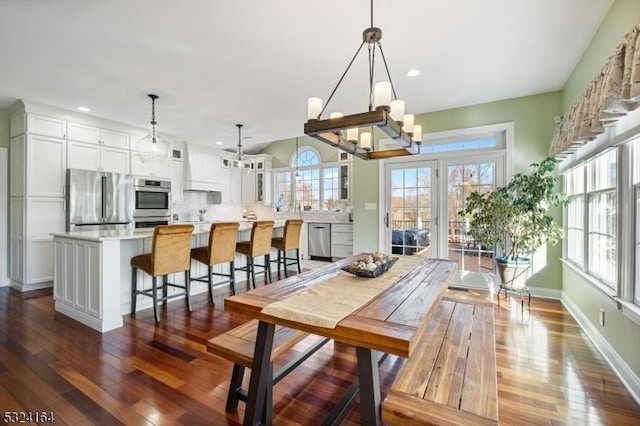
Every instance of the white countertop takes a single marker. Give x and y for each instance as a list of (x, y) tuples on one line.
[(135, 234)]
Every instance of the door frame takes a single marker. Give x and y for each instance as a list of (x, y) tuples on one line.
[(505, 130)]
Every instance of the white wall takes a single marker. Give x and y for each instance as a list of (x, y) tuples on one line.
[(4, 229)]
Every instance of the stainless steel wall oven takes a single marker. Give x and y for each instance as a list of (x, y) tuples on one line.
[(151, 202)]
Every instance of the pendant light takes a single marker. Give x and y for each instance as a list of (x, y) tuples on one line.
[(242, 162), (152, 148)]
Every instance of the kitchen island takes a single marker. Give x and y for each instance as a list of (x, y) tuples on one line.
[(92, 274)]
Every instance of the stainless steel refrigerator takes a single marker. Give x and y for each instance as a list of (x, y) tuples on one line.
[(98, 200)]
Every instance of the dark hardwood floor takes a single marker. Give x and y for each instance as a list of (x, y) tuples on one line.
[(548, 371)]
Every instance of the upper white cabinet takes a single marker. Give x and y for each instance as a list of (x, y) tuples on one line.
[(46, 166), (90, 134), (46, 126), (256, 183), (82, 155), (94, 148), (177, 175)]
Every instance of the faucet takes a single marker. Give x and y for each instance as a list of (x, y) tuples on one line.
[(299, 209)]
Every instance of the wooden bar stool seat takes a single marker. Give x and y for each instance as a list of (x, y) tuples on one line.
[(221, 249), (170, 253), (258, 245), (290, 240)]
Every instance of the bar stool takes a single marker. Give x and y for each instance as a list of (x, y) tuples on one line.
[(290, 240), (221, 249), (169, 254), (258, 245)]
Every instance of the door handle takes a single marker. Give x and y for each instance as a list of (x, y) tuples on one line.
[(386, 219)]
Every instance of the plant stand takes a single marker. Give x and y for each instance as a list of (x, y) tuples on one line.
[(522, 290), (513, 279)]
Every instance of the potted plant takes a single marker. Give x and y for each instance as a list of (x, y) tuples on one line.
[(516, 218)]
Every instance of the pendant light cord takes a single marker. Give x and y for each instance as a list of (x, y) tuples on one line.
[(153, 118)]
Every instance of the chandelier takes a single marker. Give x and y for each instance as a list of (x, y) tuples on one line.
[(152, 148), (342, 131)]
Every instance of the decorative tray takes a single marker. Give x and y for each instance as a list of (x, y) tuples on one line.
[(363, 267)]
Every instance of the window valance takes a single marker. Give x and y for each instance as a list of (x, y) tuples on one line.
[(613, 93)]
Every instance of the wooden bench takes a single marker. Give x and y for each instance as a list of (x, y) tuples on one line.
[(450, 378), (238, 346)]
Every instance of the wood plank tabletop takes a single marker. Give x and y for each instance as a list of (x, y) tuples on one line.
[(388, 323)]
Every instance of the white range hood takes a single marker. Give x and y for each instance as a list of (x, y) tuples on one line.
[(204, 170)]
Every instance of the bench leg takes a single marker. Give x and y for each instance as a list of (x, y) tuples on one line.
[(260, 370), (369, 379), (234, 388)]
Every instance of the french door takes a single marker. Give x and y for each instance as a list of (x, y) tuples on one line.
[(461, 178), (423, 200), (409, 220)]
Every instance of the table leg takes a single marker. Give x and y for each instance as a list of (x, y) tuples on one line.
[(260, 370), (369, 379)]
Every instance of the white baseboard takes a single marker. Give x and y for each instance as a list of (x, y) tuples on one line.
[(28, 287), (491, 282), (626, 375)]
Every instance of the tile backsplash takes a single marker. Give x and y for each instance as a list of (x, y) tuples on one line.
[(187, 210)]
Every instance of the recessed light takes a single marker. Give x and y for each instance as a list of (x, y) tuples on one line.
[(83, 109), (413, 72), (218, 143)]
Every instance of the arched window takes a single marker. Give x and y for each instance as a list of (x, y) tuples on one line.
[(308, 184), (306, 157)]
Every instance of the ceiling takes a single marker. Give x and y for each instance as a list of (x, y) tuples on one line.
[(216, 63)]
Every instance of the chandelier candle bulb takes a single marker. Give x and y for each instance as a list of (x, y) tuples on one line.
[(314, 107), (397, 111), (365, 141), (417, 133), (382, 95), (336, 115), (408, 124), (352, 135)]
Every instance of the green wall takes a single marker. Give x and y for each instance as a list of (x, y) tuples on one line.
[(619, 331), (4, 129), (282, 150), (622, 16)]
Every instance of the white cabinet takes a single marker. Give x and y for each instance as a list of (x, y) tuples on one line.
[(46, 126), (256, 185), (177, 176), (38, 166), (235, 185), (46, 166), (248, 183), (32, 246), (18, 166), (93, 148), (82, 155), (158, 170), (341, 240), (91, 134), (78, 277)]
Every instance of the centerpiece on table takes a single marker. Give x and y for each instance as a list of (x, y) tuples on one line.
[(371, 265)]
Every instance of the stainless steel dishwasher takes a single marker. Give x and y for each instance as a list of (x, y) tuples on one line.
[(320, 240)]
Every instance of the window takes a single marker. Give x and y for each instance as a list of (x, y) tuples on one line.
[(594, 183), (307, 183), (602, 198), (574, 188)]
